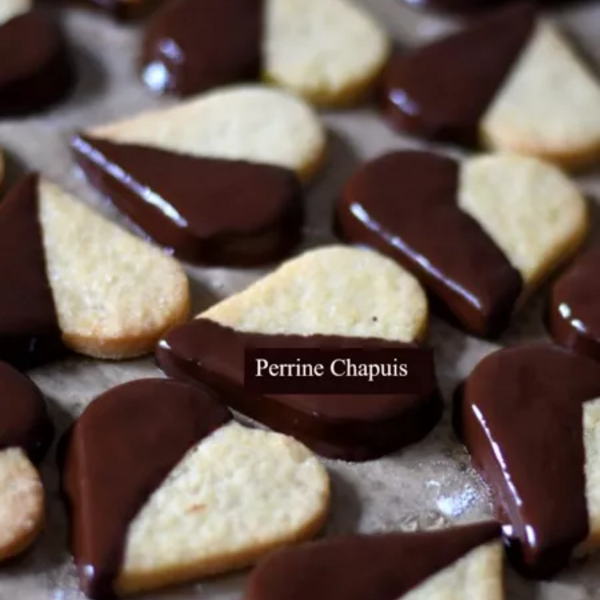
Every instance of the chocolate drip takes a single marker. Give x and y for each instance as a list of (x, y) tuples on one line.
[(442, 90), (404, 204), (25, 423), (29, 331), (207, 210), (120, 451), (36, 73), (520, 414), (574, 310), (364, 567), (191, 46), (352, 427)]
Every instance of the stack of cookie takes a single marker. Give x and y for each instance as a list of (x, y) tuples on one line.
[(172, 479)]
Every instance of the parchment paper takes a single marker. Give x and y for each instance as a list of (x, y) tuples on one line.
[(427, 485)]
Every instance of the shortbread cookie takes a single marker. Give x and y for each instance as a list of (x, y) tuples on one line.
[(191, 492), (481, 234), (573, 315), (329, 51), (510, 80), (25, 434), (33, 75), (73, 278), (460, 563), (529, 417), (215, 179), (333, 298)]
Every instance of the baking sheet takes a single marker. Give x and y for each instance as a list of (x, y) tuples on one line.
[(427, 485)]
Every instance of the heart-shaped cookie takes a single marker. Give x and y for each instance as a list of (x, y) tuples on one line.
[(461, 562), (191, 492), (481, 233), (509, 80), (329, 51), (529, 417), (331, 298), (214, 179), (71, 277), (25, 434), (33, 75), (573, 315)]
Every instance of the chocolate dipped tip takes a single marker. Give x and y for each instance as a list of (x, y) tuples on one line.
[(29, 331), (119, 451), (520, 415), (24, 420), (192, 46), (573, 312), (354, 427), (36, 74), (442, 90), (364, 567), (405, 204), (208, 211)]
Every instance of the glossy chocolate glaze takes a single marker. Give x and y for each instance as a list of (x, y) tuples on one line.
[(29, 331), (520, 415), (358, 427), (35, 74), (191, 46), (24, 422), (574, 307), (404, 204), (364, 567), (207, 210), (120, 451), (442, 90)]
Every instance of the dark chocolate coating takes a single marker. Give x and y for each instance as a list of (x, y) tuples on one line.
[(520, 415), (574, 307), (442, 90), (24, 422), (29, 331), (364, 567), (207, 210), (191, 46), (404, 204), (352, 427), (119, 451), (34, 73)]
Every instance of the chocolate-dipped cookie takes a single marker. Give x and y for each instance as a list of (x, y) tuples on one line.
[(73, 279), (25, 435), (191, 492), (509, 81), (529, 417), (216, 179), (329, 51), (37, 74), (467, 560), (333, 298), (573, 314), (480, 234)]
